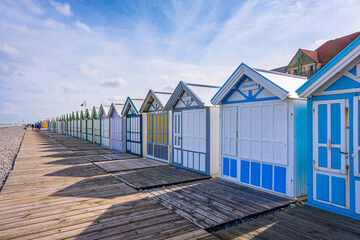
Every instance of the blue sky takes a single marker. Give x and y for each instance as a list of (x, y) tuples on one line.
[(56, 54)]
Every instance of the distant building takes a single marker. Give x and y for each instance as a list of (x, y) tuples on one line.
[(307, 62)]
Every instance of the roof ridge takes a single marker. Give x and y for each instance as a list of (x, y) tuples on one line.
[(279, 73), (201, 85)]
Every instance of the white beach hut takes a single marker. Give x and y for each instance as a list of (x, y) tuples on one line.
[(116, 127), (262, 131), (195, 129), (105, 125)]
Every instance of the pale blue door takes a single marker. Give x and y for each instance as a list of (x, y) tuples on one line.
[(330, 154)]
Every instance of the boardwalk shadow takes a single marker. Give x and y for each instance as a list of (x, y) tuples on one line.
[(104, 187), (87, 170), (141, 218), (69, 161)]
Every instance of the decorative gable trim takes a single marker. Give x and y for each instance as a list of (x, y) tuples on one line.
[(242, 71), (129, 107), (177, 94), (157, 107)]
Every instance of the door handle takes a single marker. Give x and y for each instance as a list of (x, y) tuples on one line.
[(344, 153)]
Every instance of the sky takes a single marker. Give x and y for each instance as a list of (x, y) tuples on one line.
[(54, 55)]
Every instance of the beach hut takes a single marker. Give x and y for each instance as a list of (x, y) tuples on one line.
[(262, 139), (195, 128), (59, 122), (333, 131), (78, 126), (83, 124), (66, 128), (157, 125), (105, 125), (89, 126), (133, 125), (74, 127), (96, 125), (73, 124), (116, 127)]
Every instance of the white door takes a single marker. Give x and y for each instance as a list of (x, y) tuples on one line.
[(177, 137), (116, 134), (83, 129), (229, 131), (97, 131), (193, 140), (105, 134), (330, 152)]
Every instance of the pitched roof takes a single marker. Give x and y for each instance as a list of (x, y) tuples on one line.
[(103, 110), (160, 97), (115, 108), (331, 48), (281, 85), (351, 52), (328, 50), (201, 94), (136, 103)]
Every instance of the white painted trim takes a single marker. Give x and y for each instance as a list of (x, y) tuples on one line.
[(352, 76), (356, 137), (325, 93), (346, 60), (357, 197), (255, 76)]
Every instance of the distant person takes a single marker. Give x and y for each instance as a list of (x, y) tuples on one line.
[(32, 126)]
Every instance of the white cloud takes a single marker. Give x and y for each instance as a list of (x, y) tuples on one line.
[(317, 44), (32, 7), (114, 82), (9, 50), (69, 89), (88, 72), (64, 9), (83, 26), (53, 24), (8, 69)]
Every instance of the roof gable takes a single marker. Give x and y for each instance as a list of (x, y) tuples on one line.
[(132, 106), (94, 112), (199, 94), (115, 109), (348, 55), (87, 114), (258, 83), (103, 111), (155, 101)]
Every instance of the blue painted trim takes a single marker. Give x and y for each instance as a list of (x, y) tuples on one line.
[(131, 102), (244, 65), (252, 100), (329, 65), (141, 136)]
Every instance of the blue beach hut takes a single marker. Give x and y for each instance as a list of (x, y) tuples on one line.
[(133, 126), (262, 131), (333, 133)]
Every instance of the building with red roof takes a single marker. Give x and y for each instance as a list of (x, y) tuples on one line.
[(307, 62)]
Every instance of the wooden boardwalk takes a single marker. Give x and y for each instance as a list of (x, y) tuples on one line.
[(301, 222), (144, 178), (60, 190), (216, 202), (49, 196), (121, 165)]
